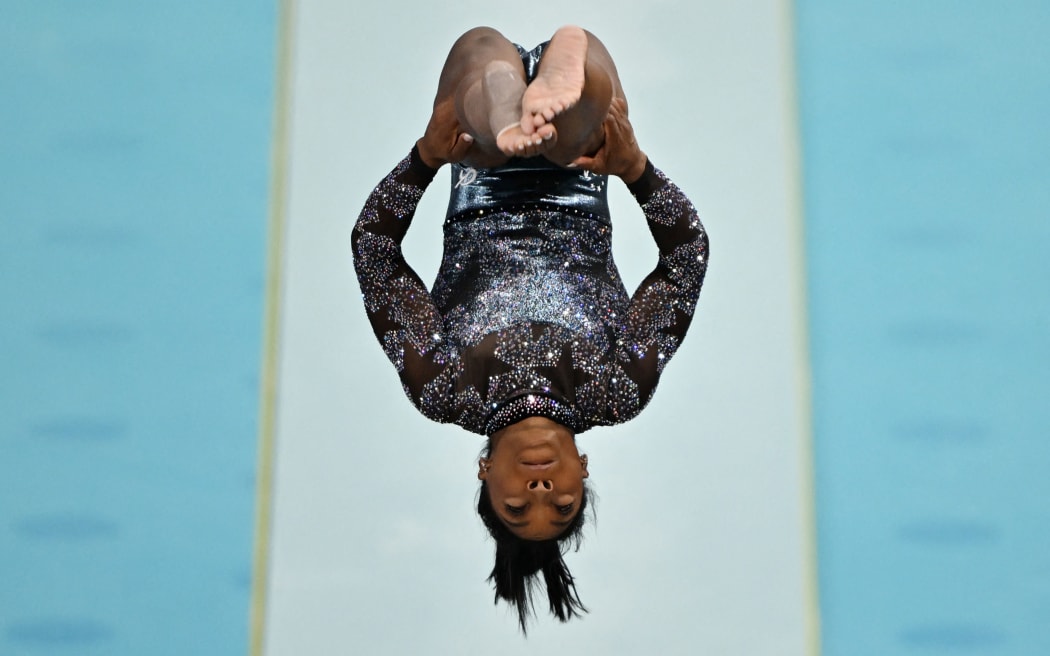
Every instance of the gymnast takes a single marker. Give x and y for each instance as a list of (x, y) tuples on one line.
[(528, 336)]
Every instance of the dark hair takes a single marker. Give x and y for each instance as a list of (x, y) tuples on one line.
[(519, 562)]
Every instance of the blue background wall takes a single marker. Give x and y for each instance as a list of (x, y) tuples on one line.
[(134, 154), (927, 181)]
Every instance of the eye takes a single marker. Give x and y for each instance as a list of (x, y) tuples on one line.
[(515, 510), (564, 510)]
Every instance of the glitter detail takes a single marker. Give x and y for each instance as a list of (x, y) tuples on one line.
[(528, 315), (533, 405)]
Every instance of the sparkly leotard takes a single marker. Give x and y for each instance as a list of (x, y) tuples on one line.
[(528, 316)]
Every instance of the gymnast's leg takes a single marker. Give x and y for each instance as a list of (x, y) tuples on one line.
[(559, 115), (485, 78), (573, 89)]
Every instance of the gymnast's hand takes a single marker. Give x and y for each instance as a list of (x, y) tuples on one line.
[(620, 154), (443, 142)]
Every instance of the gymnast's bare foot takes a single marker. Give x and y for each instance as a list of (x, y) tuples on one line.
[(559, 83), (502, 87), (513, 142)]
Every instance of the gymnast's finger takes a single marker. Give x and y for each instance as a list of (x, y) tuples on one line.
[(586, 163), (459, 149)]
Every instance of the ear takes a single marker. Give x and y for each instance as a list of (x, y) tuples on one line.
[(583, 463), (483, 468)]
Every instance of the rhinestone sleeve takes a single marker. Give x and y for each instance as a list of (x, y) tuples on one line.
[(662, 307), (399, 307)]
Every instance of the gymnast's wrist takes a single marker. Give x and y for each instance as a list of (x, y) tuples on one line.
[(646, 184), (418, 171), (638, 169), (425, 157), (423, 161)]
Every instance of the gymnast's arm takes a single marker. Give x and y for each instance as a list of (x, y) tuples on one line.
[(662, 307), (399, 307)]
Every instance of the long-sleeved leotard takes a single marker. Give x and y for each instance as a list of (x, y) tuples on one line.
[(528, 315)]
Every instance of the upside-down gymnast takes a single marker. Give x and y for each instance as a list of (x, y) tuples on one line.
[(529, 337)]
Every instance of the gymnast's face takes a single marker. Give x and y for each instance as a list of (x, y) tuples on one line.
[(534, 476)]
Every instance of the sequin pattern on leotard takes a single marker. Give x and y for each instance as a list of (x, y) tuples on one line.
[(528, 315)]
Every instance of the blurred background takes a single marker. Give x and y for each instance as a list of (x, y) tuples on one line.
[(204, 451)]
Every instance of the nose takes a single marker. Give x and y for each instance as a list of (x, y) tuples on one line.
[(540, 486)]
